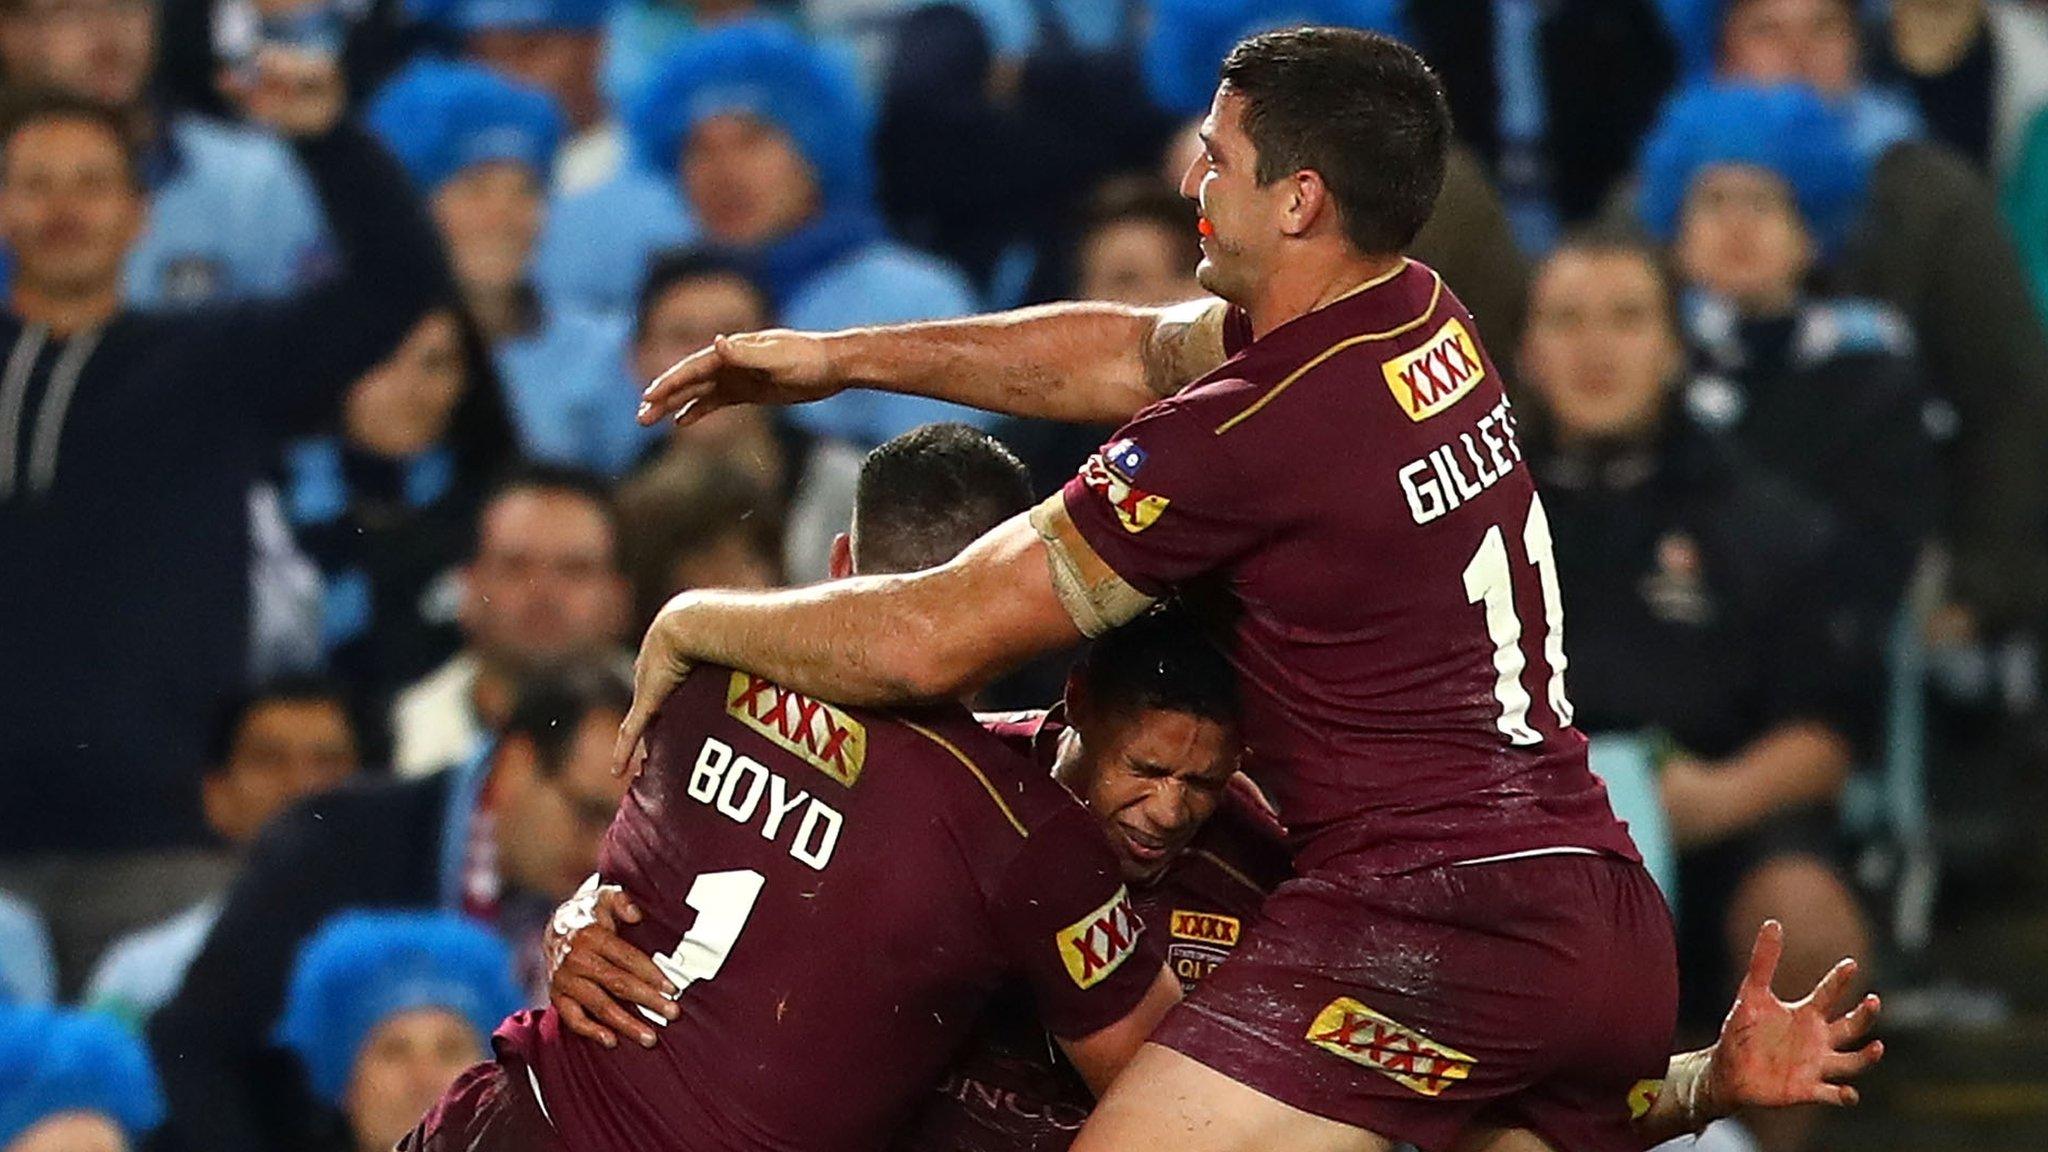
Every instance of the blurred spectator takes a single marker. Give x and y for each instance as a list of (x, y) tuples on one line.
[(28, 970), (502, 841), (698, 523), (1978, 69), (72, 1082), (640, 33), (370, 38), (230, 214), (541, 591), (769, 139), (386, 508), (386, 1009), (1928, 241), (554, 46), (480, 147), (280, 744), (2025, 201), (1700, 600), (1751, 185), (149, 430)]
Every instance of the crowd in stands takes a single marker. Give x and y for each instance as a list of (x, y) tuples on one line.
[(326, 526)]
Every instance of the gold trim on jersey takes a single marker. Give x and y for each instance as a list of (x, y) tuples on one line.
[(1228, 869), (1376, 281), (994, 795), (1436, 293)]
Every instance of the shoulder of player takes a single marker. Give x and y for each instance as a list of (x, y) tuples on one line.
[(991, 778)]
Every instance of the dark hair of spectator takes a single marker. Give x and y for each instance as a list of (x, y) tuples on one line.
[(23, 108), (1614, 239), (926, 495), (549, 707), (685, 504), (669, 268), (1362, 110), (1159, 662), (298, 689), (480, 432), (557, 478), (1136, 198)]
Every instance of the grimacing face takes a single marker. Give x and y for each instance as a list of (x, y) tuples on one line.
[(1600, 346), (1151, 780)]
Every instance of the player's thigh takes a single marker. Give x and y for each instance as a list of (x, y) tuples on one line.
[(1502, 1140), (1164, 1099)]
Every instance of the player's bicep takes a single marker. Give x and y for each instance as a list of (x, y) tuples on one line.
[(1101, 1055), (1185, 344)]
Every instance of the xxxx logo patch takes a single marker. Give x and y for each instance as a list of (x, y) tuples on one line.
[(1434, 376), (1389, 1047), (817, 733), (1098, 943)]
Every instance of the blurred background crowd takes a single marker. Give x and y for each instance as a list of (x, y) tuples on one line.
[(326, 528)]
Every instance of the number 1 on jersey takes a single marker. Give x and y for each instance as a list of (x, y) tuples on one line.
[(1489, 582), (723, 901)]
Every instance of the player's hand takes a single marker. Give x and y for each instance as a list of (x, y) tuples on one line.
[(657, 670), (1772, 1054), (779, 366), (297, 93), (595, 978)]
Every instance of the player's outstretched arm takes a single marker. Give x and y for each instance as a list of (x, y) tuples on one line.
[(874, 640), (1770, 1054), (1092, 363)]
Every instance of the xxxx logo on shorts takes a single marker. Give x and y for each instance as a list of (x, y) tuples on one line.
[(1433, 377), (816, 732), (1389, 1047), (1097, 944), (1135, 508)]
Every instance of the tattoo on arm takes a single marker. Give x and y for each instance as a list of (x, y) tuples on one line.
[(1185, 343)]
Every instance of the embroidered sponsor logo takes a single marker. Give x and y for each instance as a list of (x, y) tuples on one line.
[(1643, 1097), (1396, 1051), (1097, 944), (1135, 508), (1434, 376), (815, 732), (1205, 927)]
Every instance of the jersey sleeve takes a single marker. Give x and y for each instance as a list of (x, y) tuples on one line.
[(1068, 926)]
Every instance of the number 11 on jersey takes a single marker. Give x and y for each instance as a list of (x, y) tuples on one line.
[(723, 901), (1489, 582)]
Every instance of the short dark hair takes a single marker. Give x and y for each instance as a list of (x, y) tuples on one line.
[(23, 109), (1361, 109), (685, 503), (548, 707), (672, 266), (1622, 239), (293, 689), (926, 495), (1160, 661), (561, 478)]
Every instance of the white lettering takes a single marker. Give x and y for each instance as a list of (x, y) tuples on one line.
[(818, 854), (1487, 479), (733, 785), (1425, 499), (779, 804), (743, 812), (711, 762), (1438, 483)]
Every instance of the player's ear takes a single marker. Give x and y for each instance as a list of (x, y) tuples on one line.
[(840, 566), (1307, 204)]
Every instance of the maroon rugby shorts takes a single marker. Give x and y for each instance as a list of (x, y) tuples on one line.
[(1538, 992), (489, 1108)]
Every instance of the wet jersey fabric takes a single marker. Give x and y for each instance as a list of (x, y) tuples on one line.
[(839, 892), (1345, 501)]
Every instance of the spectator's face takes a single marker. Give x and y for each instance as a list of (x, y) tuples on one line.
[(1241, 215), (284, 750), (562, 62), (1741, 238), (552, 824), (747, 181), (404, 404), (1599, 346), (100, 49), (543, 589), (69, 207), (730, 561), (404, 1065), (1151, 780), (1136, 262), (72, 1132), (490, 215), (1773, 41), (689, 314)]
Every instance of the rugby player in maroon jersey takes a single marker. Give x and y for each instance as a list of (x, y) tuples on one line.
[(834, 894), (1323, 462)]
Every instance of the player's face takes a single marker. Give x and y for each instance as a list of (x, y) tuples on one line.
[(543, 590), (286, 749), (404, 1065), (552, 824), (747, 181), (403, 405), (1241, 219), (1775, 41), (1152, 780), (99, 49), (69, 210), (1741, 238), (490, 214), (1136, 262), (72, 1132), (560, 61), (1600, 346)]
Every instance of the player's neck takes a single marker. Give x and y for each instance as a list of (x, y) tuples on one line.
[(1303, 285)]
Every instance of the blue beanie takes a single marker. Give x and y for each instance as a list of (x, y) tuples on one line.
[(763, 69), (441, 117), (56, 1060), (528, 15), (1184, 49), (362, 968), (1785, 128)]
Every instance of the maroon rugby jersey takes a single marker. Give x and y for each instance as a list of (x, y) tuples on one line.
[(841, 891), (1012, 1091), (1345, 500)]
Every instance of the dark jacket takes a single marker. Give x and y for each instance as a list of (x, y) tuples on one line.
[(373, 844), (126, 459)]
